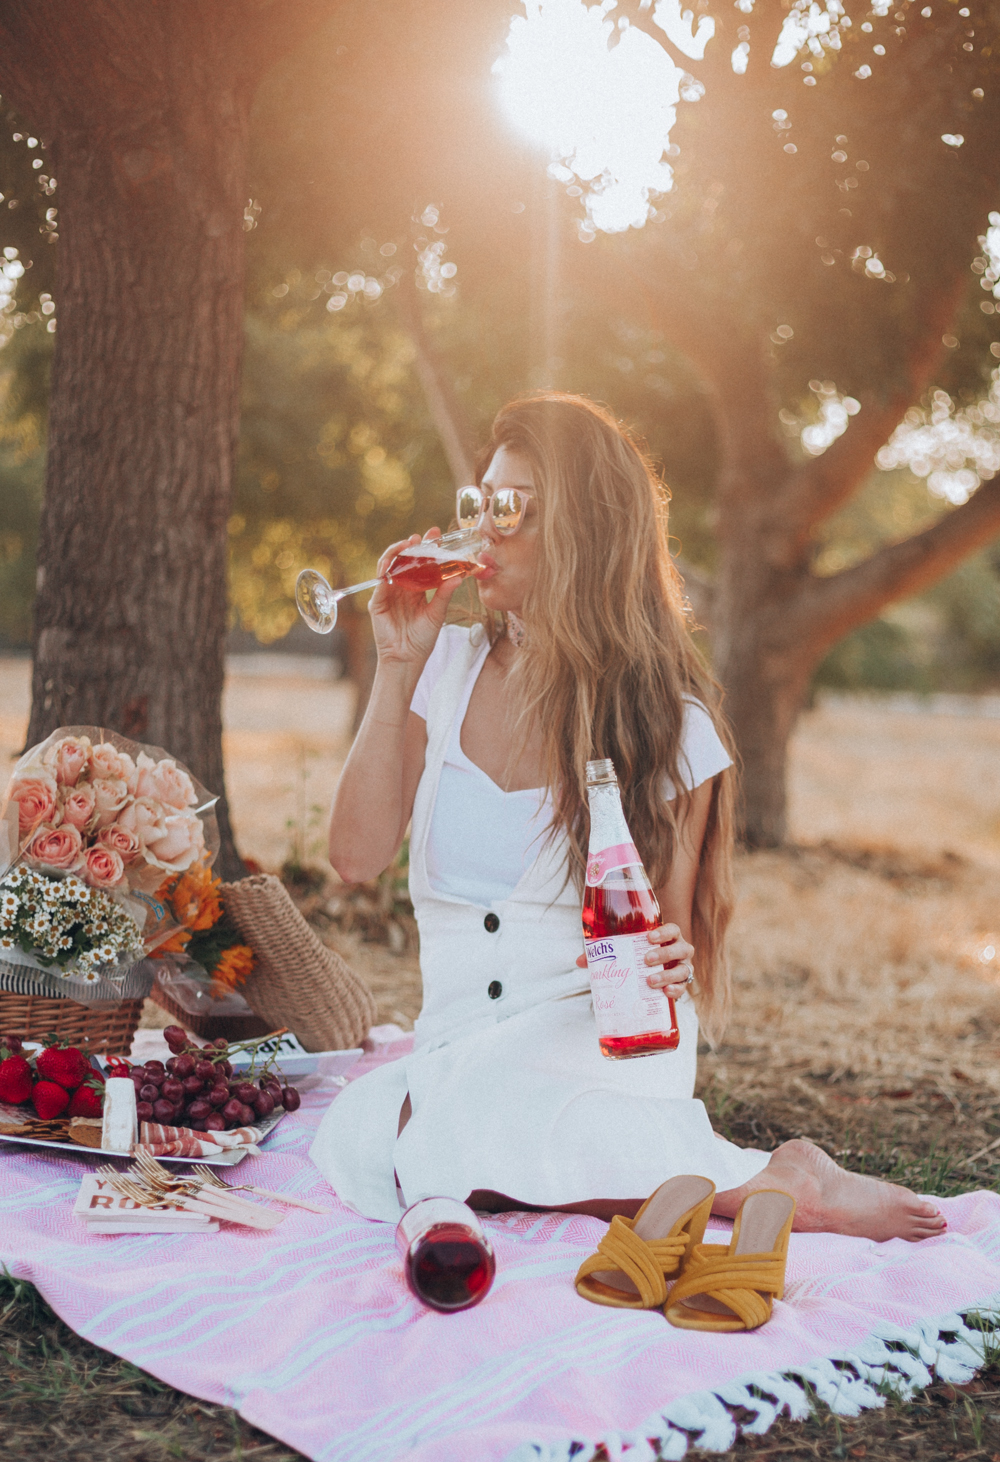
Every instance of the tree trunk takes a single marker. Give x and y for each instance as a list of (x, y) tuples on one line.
[(765, 670), (132, 562), (361, 658), (772, 619), (443, 405), (130, 619), (764, 675), (763, 701), (145, 109), (146, 114)]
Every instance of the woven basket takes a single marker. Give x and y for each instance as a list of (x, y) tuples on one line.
[(232, 1027), (297, 981), (97, 1028), (124, 982)]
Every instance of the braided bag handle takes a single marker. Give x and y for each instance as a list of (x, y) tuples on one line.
[(297, 981)]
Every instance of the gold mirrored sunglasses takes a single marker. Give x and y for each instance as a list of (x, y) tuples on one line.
[(506, 507)]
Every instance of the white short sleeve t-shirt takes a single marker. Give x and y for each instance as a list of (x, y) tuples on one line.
[(483, 871)]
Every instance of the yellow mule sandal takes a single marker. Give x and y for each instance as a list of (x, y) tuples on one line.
[(637, 1256), (732, 1286)]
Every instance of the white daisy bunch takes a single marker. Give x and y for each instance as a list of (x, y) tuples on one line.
[(65, 923)]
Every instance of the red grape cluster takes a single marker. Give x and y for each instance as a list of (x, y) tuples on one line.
[(196, 1088)]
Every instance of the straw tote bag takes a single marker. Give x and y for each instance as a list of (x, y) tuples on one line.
[(297, 981)]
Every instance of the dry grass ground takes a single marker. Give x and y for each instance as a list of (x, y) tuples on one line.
[(866, 1016)]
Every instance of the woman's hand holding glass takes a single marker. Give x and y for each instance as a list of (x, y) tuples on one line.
[(406, 625), (670, 961)]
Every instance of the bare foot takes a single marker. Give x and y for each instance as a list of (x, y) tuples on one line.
[(830, 1200)]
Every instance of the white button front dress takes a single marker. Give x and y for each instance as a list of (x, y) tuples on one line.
[(508, 1089)]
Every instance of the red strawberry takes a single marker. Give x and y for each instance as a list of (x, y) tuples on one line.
[(87, 1100), (49, 1099), (10, 1046), (66, 1067), (15, 1080)]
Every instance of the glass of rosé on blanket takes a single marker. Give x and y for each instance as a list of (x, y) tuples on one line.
[(447, 1258)]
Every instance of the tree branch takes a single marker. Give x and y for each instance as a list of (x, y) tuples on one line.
[(829, 608), (447, 412), (815, 490)]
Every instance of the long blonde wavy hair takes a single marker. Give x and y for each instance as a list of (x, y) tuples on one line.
[(608, 658)]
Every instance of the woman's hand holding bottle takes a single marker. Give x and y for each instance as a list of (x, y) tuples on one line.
[(669, 960)]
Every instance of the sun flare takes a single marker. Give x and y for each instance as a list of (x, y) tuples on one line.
[(601, 97)]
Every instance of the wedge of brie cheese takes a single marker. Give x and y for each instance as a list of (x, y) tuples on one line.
[(120, 1128)]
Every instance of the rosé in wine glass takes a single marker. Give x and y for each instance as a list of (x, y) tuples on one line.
[(419, 566)]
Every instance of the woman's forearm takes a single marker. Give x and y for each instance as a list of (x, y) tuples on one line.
[(375, 796), (373, 801)]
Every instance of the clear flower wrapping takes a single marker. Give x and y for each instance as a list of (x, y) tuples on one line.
[(92, 826)]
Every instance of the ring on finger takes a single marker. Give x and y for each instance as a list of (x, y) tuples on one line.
[(689, 967)]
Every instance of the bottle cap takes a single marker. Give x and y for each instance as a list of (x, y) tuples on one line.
[(600, 771)]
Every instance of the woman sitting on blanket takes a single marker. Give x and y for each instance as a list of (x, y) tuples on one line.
[(481, 736)]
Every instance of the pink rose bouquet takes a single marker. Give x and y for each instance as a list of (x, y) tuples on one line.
[(89, 809), (37, 798)]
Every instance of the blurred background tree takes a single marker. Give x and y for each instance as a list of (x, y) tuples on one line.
[(27, 310), (808, 267), (801, 274), (411, 264), (144, 112)]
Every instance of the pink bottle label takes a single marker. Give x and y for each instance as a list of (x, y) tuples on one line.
[(608, 860), (625, 1004)]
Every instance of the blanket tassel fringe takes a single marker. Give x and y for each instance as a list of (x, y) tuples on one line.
[(892, 1361)]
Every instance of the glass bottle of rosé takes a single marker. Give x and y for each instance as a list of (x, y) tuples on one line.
[(619, 910)]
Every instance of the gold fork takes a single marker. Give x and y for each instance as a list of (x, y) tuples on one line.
[(125, 1184), (166, 1183), (152, 1186), (153, 1172), (214, 1181), (153, 1181), (195, 1189)]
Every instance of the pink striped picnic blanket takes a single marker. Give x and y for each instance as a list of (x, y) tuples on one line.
[(310, 1332)]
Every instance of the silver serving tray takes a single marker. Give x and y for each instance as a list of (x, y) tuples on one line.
[(228, 1157)]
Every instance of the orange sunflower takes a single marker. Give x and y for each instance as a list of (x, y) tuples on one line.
[(235, 963)]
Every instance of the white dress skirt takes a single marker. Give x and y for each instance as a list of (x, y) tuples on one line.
[(508, 1089)]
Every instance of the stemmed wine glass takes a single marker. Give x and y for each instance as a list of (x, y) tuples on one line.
[(420, 566)]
